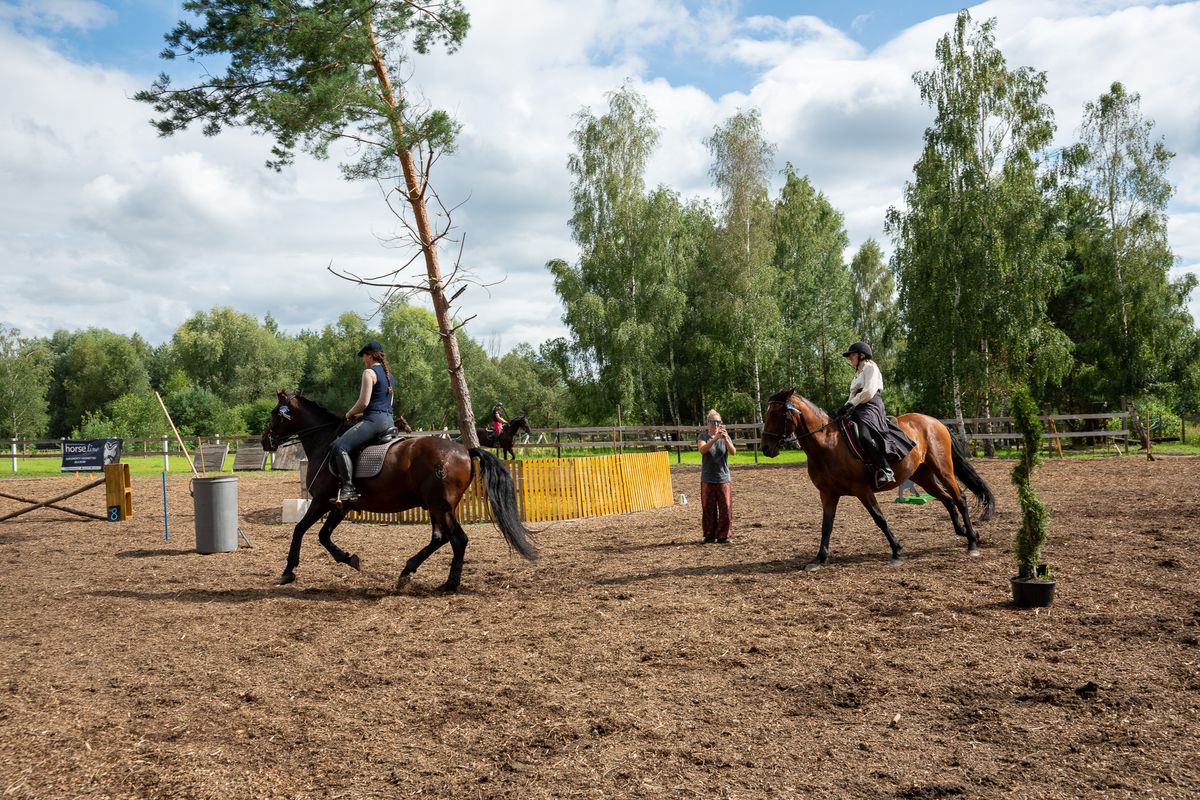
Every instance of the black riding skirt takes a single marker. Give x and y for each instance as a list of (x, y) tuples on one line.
[(872, 415)]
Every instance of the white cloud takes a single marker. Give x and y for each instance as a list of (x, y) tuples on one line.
[(55, 15), (105, 224)]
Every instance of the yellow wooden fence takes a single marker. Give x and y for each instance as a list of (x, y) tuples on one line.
[(551, 489)]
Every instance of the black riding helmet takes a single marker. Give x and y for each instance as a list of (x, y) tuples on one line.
[(371, 347), (862, 348)]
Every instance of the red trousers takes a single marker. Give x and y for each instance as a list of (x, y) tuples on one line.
[(716, 500)]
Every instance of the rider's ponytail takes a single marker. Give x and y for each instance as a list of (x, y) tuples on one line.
[(387, 372)]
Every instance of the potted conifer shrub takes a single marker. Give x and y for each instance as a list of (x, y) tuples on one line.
[(1033, 585)]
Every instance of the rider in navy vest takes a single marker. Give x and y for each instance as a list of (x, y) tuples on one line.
[(375, 408)]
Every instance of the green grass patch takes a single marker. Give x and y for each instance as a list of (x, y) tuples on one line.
[(140, 466)]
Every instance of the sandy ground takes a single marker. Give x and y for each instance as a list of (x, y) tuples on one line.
[(630, 661)]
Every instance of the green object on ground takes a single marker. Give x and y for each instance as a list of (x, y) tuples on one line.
[(919, 500)]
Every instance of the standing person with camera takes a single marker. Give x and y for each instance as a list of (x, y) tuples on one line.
[(716, 486)]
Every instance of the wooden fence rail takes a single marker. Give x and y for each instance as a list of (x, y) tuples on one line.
[(667, 438)]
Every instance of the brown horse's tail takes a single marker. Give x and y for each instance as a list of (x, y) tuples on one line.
[(967, 475), (503, 497)]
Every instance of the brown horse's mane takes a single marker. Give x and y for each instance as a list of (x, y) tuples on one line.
[(783, 395)]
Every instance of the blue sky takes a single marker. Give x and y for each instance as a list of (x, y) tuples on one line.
[(103, 223), (868, 23)]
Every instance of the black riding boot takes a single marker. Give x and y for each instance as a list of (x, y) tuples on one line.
[(873, 447), (345, 468), (883, 473)]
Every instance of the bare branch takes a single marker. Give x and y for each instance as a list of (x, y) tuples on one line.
[(459, 326)]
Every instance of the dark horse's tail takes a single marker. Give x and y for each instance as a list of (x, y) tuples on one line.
[(503, 497), (967, 475)]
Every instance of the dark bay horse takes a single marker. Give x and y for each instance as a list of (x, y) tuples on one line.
[(508, 431), (429, 471), (937, 464)]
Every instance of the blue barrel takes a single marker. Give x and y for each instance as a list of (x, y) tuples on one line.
[(216, 504)]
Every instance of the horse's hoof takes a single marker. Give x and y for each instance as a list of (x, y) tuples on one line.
[(447, 588), (354, 563), (813, 566), (896, 562), (403, 581), (286, 578), (974, 552)]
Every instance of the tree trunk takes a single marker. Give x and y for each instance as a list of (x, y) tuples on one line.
[(1136, 427), (757, 387), (415, 193), (672, 399), (989, 446), (958, 412)]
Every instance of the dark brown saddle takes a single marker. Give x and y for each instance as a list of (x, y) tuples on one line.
[(369, 460)]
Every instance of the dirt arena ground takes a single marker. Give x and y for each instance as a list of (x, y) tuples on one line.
[(630, 661)]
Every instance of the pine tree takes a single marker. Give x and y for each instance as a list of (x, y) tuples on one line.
[(309, 74)]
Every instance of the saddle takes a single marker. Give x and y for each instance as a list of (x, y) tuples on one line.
[(369, 460), (849, 431)]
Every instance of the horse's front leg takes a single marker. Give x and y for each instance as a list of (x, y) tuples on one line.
[(326, 537), (829, 504), (872, 506), (315, 510)]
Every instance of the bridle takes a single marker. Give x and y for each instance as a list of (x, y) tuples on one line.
[(790, 407), (274, 443)]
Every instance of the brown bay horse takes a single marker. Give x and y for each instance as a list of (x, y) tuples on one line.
[(937, 464), (427, 472)]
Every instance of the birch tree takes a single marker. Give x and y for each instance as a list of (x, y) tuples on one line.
[(1123, 251), (816, 291), (745, 283), (976, 227), (25, 369), (624, 304)]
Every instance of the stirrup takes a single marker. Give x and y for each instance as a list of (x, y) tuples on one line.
[(346, 494), (883, 476)]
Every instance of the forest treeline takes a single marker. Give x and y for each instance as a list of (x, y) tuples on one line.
[(219, 372), (1012, 262)]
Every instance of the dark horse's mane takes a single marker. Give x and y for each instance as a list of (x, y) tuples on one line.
[(313, 405)]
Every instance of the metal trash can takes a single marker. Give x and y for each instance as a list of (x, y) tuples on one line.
[(216, 504)]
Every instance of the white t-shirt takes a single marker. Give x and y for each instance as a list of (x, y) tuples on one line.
[(866, 384)]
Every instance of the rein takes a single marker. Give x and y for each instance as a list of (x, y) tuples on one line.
[(295, 435)]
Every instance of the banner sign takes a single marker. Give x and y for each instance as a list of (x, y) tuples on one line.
[(90, 455)]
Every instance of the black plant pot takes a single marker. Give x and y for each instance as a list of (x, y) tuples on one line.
[(1032, 593)]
